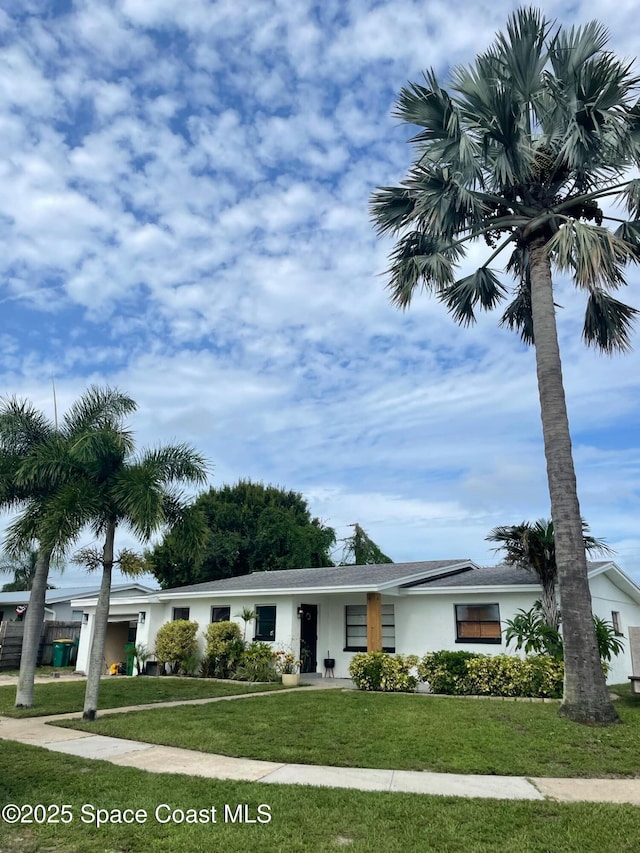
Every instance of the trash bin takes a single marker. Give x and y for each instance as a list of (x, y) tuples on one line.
[(62, 652), (129, 650)]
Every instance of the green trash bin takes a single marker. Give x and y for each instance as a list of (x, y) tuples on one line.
[(62, 652), (129, 650)]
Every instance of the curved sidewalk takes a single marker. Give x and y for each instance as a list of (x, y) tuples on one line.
[(163, 759)]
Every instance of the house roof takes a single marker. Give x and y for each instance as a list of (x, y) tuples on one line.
[(332, 578), (56, 596), (482, 576)]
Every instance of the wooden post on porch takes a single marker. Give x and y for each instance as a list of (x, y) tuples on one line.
[(374, 622)]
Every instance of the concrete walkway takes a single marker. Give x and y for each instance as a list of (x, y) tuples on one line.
[(163, 759)]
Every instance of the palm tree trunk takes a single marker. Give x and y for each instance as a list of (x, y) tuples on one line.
[(33, 622), (586, 699), (96, 657), (550, 605)]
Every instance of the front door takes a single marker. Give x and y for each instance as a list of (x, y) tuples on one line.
[(309, 638)]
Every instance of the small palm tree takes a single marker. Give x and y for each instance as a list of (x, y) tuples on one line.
[(31, 486), (114, 488), (532, 547), (23, 568), (520, 153)]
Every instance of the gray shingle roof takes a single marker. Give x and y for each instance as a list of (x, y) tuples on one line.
[(485, 576), (333, 577)]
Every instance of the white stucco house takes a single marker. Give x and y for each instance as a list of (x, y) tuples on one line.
[(409, 608)]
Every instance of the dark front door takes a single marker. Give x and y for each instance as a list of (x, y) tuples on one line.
[(309, 638)]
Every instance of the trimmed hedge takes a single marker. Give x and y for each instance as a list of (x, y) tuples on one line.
[(467, 673), (460, 674), (384, 672), (445, 671), (506, 675)]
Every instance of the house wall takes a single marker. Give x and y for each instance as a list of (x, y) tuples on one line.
[(605, 597), (118, 628), (426, 622)]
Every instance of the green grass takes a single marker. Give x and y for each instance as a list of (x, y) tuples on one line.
[(408, 732), (303, 819), (67, 696)]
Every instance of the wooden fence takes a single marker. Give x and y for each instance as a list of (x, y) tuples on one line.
[(11, 634)]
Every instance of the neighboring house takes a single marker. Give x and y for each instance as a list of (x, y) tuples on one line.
[(58, 601), (408, 608)]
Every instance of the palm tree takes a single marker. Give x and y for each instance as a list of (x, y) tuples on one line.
[(532, 547), (118, 489), (530, 140), (23, 569), (26, 437)]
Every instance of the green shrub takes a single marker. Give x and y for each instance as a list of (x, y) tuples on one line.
[(257, 664), (507, 675), (176, 644), (223, 650), (445, 671), (381, 671)]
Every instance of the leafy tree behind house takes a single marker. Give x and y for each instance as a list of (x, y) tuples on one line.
[(360, 550), (520, 153), (251, 527)]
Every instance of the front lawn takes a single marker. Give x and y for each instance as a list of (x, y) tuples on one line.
[(61, 697), (302, 819), (405, 732)]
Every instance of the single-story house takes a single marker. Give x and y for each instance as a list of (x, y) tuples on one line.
[(408, 608)]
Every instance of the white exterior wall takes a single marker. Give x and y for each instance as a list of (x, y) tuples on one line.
[(426, 622), (606, 597)]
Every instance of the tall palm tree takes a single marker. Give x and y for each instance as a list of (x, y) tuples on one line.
[(27, 436), (533, 547), (522, 151), (119, 488)]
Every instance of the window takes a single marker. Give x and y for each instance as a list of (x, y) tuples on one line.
[(180, 613), (220, 614), (617, 624), (478, 623), (265, 622), (76, 615), (356, 630)]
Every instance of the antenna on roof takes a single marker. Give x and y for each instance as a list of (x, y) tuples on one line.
[(55, 402)]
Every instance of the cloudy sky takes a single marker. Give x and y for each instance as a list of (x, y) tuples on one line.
[(184, 196)]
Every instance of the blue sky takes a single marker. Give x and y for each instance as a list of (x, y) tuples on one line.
[(183, 213)]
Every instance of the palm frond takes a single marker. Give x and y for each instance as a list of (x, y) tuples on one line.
[(174, 462), (518, 316), (630, 197), (591, 253), (97, 407), (629, 232), (608, 323), (570, 49), (522, 52), (22, 426), (419, 259), (391, 209), (482, 287)]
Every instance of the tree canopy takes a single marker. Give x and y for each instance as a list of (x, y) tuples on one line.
[(251, 527), (359, 549)]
